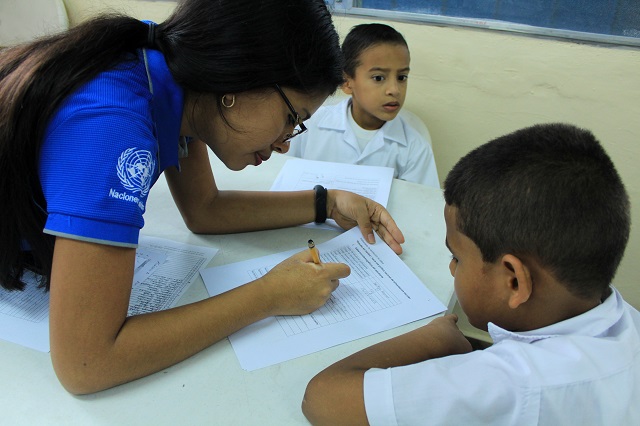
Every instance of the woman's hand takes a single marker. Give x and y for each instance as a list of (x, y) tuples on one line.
[(297, 286), (349, 209)]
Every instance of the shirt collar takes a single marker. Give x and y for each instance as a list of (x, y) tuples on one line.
[(337, 120), (594, 322)]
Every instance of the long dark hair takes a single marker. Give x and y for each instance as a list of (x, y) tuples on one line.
[(213, 47)]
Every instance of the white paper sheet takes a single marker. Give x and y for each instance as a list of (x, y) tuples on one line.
[(164, 270), (369, 181), (24, 315), (162, 287), (381, 293)]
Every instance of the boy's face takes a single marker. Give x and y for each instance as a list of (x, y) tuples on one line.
[(379, 86), (474, 281)]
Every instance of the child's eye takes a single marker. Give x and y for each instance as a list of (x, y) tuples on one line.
[(378, 78), (403, 78)]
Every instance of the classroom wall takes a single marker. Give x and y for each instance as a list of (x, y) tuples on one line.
[(21, 20), (472, 85)]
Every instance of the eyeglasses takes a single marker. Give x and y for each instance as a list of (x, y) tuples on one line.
[(299, 125)]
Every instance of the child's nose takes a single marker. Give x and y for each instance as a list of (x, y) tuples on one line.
[(393, 88)]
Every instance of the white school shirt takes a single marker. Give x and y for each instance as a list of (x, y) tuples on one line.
[(581, 371), (396, 145)]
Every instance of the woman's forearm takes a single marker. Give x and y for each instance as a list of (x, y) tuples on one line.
[(150, 342), (243, 211), (94, 345)]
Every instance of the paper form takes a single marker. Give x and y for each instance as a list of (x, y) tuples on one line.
[(162, 287), (147, 259), (24, 315), (369, 181), (163, 272), (381, 293)]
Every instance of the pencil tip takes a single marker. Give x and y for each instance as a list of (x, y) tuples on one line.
[(311, 244)]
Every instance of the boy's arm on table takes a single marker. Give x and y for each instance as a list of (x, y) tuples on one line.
[(335, 396)]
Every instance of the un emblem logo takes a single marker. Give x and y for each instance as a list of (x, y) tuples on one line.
[(135, 170)]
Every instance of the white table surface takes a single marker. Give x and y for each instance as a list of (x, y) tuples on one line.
[(210, 387)]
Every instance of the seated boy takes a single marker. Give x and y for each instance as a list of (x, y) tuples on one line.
[(537, 223), (366, 128)]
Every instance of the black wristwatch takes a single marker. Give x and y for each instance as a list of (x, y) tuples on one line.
[(321, 203)]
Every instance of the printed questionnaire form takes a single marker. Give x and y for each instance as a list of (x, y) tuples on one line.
[(381, 293)]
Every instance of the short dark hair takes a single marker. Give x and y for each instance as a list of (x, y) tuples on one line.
[(548, 192), (364, 36)]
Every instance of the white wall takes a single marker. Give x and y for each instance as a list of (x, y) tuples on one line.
[(22, 20), (470, 86)]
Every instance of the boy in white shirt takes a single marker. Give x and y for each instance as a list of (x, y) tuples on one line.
[(537, 223), (367, 128)]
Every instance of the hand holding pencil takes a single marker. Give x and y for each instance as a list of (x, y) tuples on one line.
[(299, 286)]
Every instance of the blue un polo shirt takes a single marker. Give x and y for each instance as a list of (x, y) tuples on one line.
[(106, 146)]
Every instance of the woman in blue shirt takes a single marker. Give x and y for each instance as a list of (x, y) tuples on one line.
[(91, 117)]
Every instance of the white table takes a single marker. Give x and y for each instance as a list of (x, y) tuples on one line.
[(211, 388)]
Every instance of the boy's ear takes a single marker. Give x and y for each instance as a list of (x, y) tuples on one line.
[(346, 86), (517, 279)]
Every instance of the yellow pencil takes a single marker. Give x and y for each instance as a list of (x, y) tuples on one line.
[(314, 252)]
